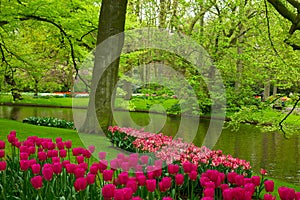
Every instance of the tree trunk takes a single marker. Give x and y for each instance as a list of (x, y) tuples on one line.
[(239, 62), (267, 88), (274, 90), (106, 65)]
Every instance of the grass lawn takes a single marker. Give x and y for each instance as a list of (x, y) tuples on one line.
[(24, 130)]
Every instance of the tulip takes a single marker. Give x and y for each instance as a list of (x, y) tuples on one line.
[(125, 166), (87, 153), (227, 194), (179, 179), (90, 178), (55, 160), (173, 169), (37, 182), (42, 156), (70, 168), (108, 191), (141, 179), (187, 167), (2, 153), (250, 187), (94, 168), (193, 175), (286, 193), (256, 180), (123, 178), (24, 156), (209, 192), (60, 145), (144, 159), (269, 197), (80, 159), (269, 185), (239, 180), (79, 172), (2, 165), (132, 185), (136, 198), (102, 155), (263, 171), (91, 148), (68, 144), (24, 165), (297, 195), (47, 173), (2, 144), (103, 165), (231, 177), (166, 182), (151, 185), (62, 153), (167, 198), (80, 184), (57, 168), (36, 168), (108, 175), (224, 186)]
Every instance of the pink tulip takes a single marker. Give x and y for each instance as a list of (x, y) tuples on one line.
[(166, 182), (2, 165), (36, 168), (123, 178), (256, 180), (136, 198), (80, 184), (151, 185), (297, 195), (91, 148), (269, 197), (144, 159), (102, 155), (179, 179), (141, 179), (70, 168), (68, 144), (47, 173), (24, 156), (2, 144), (62, 153), (103, 165), (193, 175), (173, 169), (108, 175), (60, 145), (37, 182), (269, 185), (94, 168), (55, 160), (125, 166), (90, 178), (231, 177), (80, 159), (187, 167), (24, 165), (57, 168), (42, 156), (209, 192), (250, 187), (167, 198), (108, 191), (2, 153), (286, 193), (239, 180), (79, 172), (132, 185), (227, 194)]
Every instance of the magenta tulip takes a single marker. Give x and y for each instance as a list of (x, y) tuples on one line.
[(80, 184), (108, 191), (269, 185), (37, 182), (108, 175), (151, 185)]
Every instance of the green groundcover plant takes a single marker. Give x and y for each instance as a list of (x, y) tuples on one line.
[(49, 121)]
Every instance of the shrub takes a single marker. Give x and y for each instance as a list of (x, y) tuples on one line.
[(49, 121)]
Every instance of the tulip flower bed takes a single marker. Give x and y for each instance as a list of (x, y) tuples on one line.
[(40, 168)]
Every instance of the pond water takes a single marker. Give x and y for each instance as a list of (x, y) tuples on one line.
[(271, 151)]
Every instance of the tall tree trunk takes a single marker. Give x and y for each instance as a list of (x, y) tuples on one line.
[(239, 62), (106, 65), (162, 14), (267, 88)]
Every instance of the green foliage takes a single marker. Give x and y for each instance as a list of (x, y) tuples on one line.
[(49, 121), (121, 140)]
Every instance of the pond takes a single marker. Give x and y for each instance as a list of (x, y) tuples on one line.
[(271, 151)]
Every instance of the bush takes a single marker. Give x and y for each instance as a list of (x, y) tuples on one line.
[(49, 121)]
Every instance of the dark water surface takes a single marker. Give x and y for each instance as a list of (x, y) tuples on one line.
[(271, 151)]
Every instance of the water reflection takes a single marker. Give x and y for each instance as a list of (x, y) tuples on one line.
[(281, 157)]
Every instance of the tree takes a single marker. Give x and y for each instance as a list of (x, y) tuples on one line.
[(111, 23), (290, 10)]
